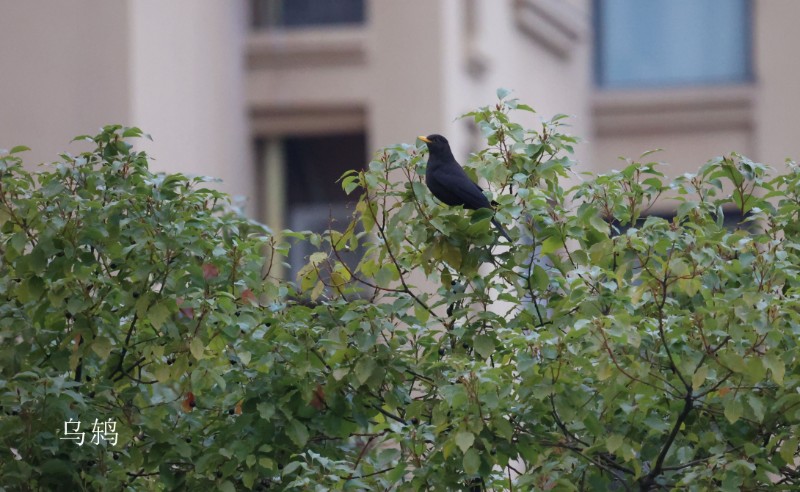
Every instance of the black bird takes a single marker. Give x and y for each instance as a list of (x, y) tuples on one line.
[(449, 183)]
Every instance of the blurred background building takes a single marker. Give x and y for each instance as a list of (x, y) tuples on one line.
[(279, 97)]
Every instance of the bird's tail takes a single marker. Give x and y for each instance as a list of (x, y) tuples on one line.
[(502, 231)]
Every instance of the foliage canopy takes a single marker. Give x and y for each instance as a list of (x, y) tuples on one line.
[(607, 348)]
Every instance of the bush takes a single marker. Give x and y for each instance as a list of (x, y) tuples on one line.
[(605, 349)]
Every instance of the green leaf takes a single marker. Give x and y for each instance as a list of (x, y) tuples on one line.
[(699, 377), (18, 241), (18, 149), (387, 274), (482, 214), (452, 255), (163, 373), (551, 244), (244, 357), (613, 442), (733, 411), (249, 476), (38, 260), (422, 314), (454, 394), (788, 450), (265, 462), (733, 361), (397, 473), (340, 372), (307, 276), (503, 428), (599, 224), (774, 364), (317, 258), (364, 369), (131, 132), (291, 468), (102, 347), (158, 315), (197, 348), (484, 345), (350, 183), (317, 290), (471, 462), (540, 279), (464, 440), (297, 432), (265, 410), (757, 406)]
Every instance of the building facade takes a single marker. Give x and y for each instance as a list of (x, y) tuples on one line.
[(279, 97)]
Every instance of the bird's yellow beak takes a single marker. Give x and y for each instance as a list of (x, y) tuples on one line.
[(424, 139)]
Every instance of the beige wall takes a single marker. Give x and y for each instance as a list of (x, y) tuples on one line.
[(309, 70), (691, 125), (778, 72), (187, 88), (173, 68), (550, 79), (407, 93), (64, 73)]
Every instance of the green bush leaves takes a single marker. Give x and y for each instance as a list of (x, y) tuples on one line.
[(607, 347)]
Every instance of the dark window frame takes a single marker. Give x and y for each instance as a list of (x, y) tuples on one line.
[(261, 19), (305, 206)]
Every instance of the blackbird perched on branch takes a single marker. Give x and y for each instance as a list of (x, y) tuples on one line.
[(449, 183)]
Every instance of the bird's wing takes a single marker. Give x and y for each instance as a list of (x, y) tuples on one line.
[(492, 203), (456, 184)]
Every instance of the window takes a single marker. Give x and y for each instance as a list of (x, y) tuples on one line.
[(305, 13), (306, 191), (641, 43)]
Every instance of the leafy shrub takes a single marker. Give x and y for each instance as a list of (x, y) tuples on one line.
[(607, 348), (125, 295)]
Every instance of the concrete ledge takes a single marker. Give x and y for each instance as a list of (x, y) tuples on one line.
[(554, 24), (304, 47), (306, 121), (627, 112)]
